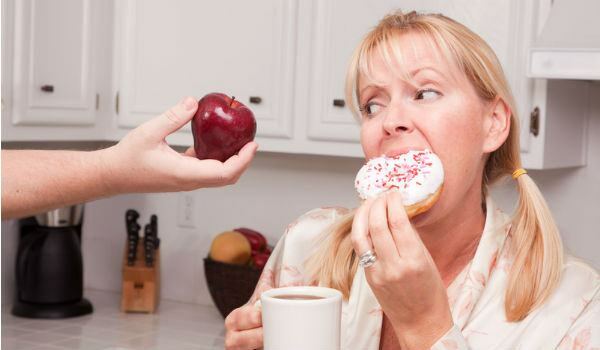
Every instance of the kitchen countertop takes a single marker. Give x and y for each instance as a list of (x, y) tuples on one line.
[(176, 325)]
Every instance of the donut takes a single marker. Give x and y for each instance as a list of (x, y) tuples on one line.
[(417, 175)]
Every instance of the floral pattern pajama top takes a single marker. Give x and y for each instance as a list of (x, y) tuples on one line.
[(569, 319)]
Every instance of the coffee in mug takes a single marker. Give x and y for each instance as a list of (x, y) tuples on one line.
[(301, 318), (298, 297)]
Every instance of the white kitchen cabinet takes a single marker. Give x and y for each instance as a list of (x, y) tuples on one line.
[(293, 55), (558, 137), (170, 49), (7, 49), (554, 128), (55, 64), (116, 64), (53, 81)]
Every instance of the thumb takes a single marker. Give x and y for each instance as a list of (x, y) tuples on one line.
[(173, 119)]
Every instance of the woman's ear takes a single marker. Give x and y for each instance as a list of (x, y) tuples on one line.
[(496, 125)]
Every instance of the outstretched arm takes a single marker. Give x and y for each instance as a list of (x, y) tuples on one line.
[(36, 181)]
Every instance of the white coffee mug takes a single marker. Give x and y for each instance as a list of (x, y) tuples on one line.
[(301, 318)]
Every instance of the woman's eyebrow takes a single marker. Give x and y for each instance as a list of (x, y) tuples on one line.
[(418, 70), (412, 74), (371, 86)]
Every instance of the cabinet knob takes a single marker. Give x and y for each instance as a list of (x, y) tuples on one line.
[(339, 102), (255, 99), (534, 122), (47, 88)]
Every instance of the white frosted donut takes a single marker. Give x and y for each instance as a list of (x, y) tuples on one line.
[(417, 175)]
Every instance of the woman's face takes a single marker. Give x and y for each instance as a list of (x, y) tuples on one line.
[(437, 109)]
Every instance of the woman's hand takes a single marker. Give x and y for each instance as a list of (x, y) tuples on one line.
[(143, 161), (404, 278), (244, 328)]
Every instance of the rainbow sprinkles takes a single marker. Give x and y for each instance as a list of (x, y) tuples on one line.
[(415, 174)]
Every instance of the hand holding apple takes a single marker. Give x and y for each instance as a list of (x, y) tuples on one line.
[(221, 127), (143, 161)]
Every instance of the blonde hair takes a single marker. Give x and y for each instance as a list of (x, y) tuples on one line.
[(535, 242)]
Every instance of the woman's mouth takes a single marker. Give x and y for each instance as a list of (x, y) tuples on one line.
[(395, 152)]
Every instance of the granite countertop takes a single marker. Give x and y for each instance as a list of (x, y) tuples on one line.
[(176, 325)]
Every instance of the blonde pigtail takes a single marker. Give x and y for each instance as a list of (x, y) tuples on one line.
[(330, 263), (538, 253)]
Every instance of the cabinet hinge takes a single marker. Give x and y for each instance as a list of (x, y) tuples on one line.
[(117, 103), (534, 121), (97, 101)]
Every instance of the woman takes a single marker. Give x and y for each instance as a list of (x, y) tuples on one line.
[(462, 275)]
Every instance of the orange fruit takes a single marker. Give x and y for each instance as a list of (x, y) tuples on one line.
[(230, 247)]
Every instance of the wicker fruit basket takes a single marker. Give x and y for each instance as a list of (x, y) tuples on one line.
[(230, 286)]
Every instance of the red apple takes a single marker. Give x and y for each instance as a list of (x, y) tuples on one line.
[(258, 242), (221, 127), (260, 260)]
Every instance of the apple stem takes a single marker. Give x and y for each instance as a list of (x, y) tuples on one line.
[(232, 99)]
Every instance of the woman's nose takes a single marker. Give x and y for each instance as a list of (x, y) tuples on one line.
[(397, 122)]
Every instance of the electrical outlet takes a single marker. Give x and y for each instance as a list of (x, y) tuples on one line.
[(186, 210)]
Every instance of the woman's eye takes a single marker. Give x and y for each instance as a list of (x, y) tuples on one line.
[(370, 108), (426, 94)]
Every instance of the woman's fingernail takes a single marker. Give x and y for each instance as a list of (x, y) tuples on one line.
[(189, 103)]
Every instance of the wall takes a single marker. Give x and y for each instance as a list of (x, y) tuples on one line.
[(273, 192)]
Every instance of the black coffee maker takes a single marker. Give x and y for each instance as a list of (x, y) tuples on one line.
[(49, 267)]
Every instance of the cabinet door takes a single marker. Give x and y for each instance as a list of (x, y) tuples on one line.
[(171, 49), (53, 81), (340, 25), (6, 32)]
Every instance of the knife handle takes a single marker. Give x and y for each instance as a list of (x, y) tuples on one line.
[(149, 244), (131, 224)]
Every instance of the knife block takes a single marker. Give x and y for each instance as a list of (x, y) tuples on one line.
[(141, 283)]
